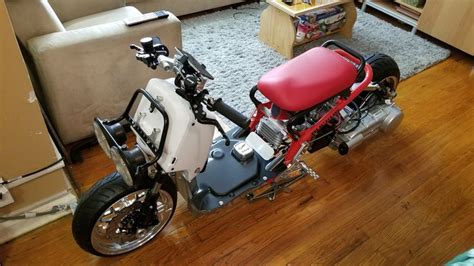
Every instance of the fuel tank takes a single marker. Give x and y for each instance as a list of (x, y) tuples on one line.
[(187, 142)]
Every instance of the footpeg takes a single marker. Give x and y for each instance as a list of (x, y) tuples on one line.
[(309, 170)]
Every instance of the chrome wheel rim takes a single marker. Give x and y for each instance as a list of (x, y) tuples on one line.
[(391, 81), (107, 238)]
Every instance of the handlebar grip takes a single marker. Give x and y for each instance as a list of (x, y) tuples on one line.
[(231, 114)]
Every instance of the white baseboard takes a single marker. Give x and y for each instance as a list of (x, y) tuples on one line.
[(15, 228)]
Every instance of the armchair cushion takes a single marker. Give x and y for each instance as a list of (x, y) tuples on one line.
[(114, 15), (71, 9), (32, 18)]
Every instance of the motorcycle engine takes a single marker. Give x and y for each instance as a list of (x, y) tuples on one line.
[(382, 117), (272, 131)]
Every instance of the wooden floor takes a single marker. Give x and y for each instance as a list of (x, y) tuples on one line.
[(406, 198)]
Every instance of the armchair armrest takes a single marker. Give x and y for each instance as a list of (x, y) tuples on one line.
[(91, 71)]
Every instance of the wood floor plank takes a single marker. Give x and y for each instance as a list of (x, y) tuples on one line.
[(416, 220)]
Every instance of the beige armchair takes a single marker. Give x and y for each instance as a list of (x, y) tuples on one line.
[(80, 50)]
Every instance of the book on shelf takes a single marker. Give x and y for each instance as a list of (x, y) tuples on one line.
[(408, 12), (410, 7)]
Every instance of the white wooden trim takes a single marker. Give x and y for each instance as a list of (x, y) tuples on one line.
[(12, 229), (21, 181)]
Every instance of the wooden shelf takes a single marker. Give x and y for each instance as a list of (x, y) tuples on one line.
[(441, 19), (277, 27), (302, 8), (388, 7)]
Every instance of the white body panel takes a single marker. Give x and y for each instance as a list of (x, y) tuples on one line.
[(187, 144), (260, 146)]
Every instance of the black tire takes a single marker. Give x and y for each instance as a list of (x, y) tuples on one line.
[(383, 66), (98, 199), (385, 72)]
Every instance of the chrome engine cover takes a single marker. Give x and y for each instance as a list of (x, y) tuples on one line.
[(272, 131), (384, 117)]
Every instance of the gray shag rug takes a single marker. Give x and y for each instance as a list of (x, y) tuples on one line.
[(227, 43)]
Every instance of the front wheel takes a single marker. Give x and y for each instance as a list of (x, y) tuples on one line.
[(105, 221)]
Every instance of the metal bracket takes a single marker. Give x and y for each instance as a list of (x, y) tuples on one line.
[(5, 195), (283, 182)]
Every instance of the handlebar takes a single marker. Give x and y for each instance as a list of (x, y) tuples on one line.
[(230, 113), (190, 73)]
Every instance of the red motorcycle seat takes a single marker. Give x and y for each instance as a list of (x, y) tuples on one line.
[(308, 79)]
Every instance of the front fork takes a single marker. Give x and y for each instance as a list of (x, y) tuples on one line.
[(147, 212)]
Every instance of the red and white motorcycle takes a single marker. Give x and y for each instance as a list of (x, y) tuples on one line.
[(324, 97)]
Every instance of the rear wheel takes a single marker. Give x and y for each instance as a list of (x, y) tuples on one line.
[(386, 75), (105, 221), (385, 70)]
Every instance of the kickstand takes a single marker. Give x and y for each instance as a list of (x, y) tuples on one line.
[(272, 192), (275, 188)]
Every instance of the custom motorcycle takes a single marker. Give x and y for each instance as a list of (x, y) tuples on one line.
[(324, 97)]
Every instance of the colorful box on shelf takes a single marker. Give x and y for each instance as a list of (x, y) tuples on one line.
[(319, 23)]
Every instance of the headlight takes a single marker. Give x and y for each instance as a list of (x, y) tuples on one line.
[(127, 162), (101, 139), (105, 133)]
